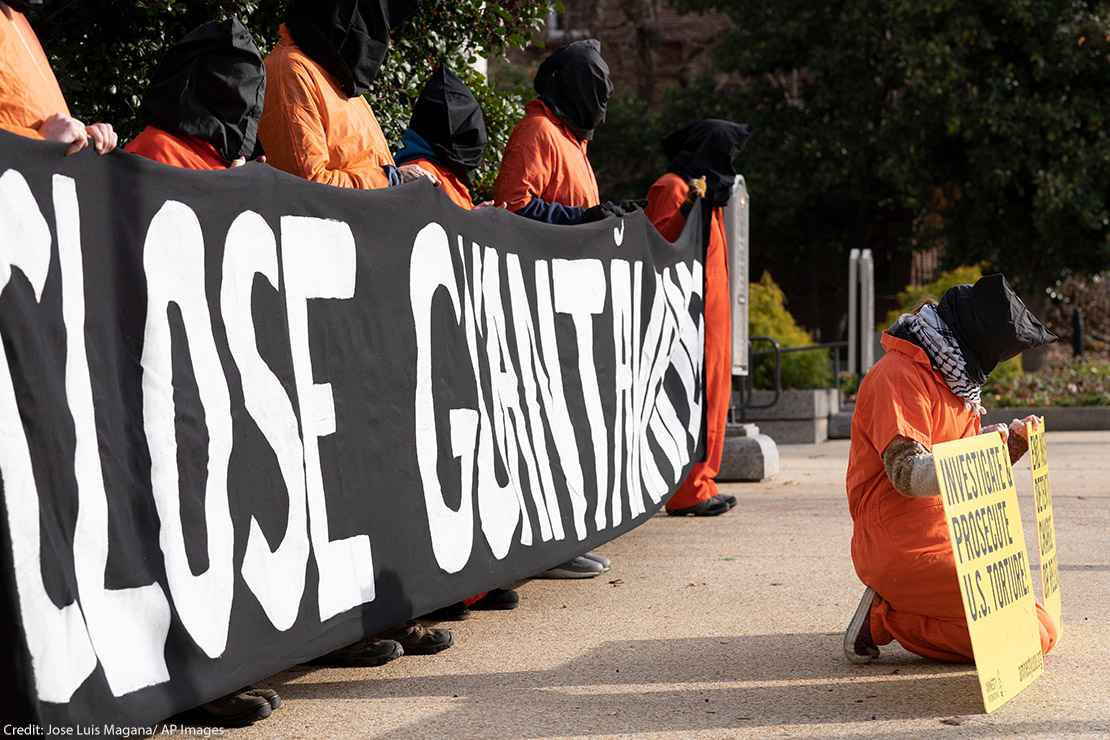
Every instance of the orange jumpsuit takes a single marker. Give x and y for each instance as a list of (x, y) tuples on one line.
[(29, 92), (664, 205), (453, 187), (187, 152), (900, 544), (309, 127), (543, 159)]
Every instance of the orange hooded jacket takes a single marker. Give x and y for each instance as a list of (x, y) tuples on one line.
[(29, 92), (449, 182), (311, 129), (664, 208), (543, 159), (187, 152)]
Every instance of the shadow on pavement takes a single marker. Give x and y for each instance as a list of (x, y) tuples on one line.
[(677, 685)]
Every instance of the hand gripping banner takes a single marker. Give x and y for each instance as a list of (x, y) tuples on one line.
[(246, 419)]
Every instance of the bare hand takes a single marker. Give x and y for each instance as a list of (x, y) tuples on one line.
[(65, 130), (1017, 426), (697, 189), (238, 162), (1002, 429), (485, 204), (103, 137), (411, 172)]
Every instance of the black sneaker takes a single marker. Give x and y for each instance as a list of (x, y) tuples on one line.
[(365, 654), (453, 613), (269, 695), (728, 499), (859, 646), (714, 506), (416, 639), (233, 710), (499, 599)]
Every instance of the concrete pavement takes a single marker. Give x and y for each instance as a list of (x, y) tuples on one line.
[(730, 627)]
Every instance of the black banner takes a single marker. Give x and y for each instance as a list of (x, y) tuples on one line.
[(246, 419)]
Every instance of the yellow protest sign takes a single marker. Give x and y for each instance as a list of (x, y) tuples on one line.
[(984, 524), (1046, 526)]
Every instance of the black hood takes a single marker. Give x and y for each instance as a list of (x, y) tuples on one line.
[(211, 85), (348, 38), (991, 324), (707, 148), (447, 116), (574, 83)]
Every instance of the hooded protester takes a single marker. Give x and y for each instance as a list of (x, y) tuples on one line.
[(31, 102), (446, 135), (701, 166), (204, 100), (926, 390), (203, 104), (545, 173), (316, 124)]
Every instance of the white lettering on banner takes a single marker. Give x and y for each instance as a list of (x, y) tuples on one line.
[(580, 293), (555, 401), (521, 431), (452, 532), (275, 577), (61, 651), (508, 416), (128, 626), (318, 257), (173, 259), (498, 506), (626, 288), (533, 376)]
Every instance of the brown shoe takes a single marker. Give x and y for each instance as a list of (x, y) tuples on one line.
[(417, 639), (364, 654), (233, 710)]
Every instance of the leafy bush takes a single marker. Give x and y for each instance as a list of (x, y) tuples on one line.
[(1073, 384), (912, 296), (769, 317)]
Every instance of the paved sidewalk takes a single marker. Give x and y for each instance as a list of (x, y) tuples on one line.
[(730, 627)]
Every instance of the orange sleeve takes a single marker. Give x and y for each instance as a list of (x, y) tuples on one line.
[(525, 166), (664, 206), (30, 133), (895, 402), (293, 134)]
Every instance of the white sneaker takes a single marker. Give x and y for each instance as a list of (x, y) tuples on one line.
[(859, 647), (579, 567)]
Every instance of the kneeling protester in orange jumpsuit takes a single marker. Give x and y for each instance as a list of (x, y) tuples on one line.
[(31, 102), (203, 104), (316, 124), (204, 100), (926, 390), (702, 154)]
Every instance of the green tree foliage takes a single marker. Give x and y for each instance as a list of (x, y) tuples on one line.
[(103, 53), (770, 318), (901, 124)]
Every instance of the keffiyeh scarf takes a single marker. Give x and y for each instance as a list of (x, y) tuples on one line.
[(927, 330)]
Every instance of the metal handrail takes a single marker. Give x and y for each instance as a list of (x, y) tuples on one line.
[(745, 389)]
